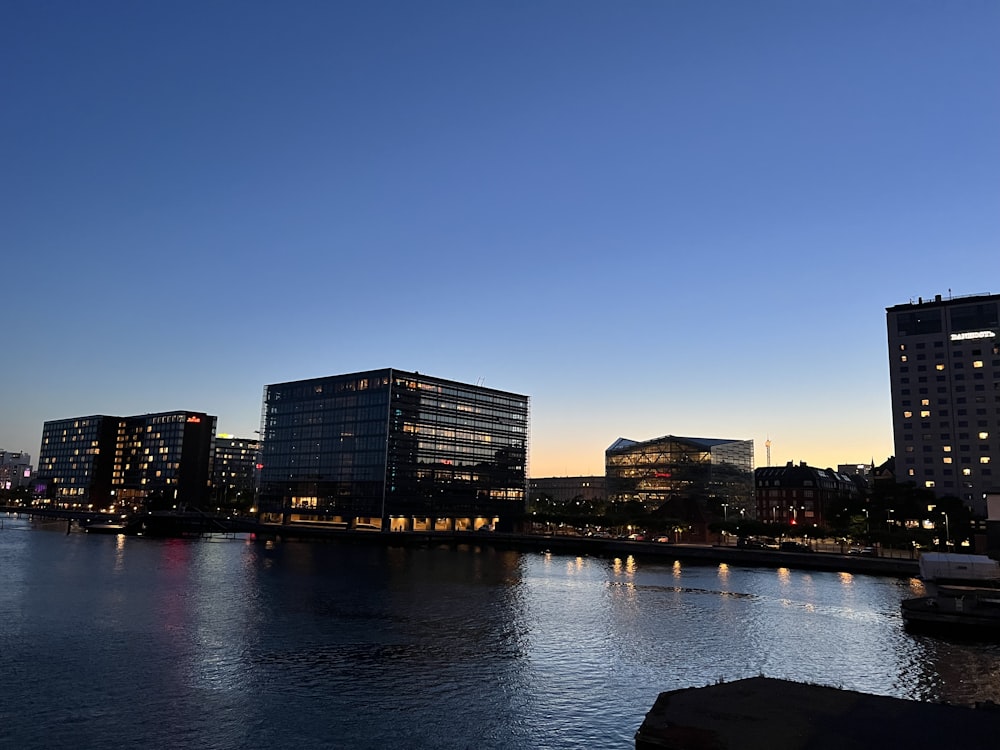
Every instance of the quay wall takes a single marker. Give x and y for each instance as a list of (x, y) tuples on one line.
[(700, 554)]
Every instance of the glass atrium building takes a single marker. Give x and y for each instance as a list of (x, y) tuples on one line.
[(393, 450), (708, 471)]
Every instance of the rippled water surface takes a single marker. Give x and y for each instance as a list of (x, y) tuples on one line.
[(121, 642)]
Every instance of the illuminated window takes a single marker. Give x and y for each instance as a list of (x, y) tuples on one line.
[(984, 459), (911, 472), (967, 472), (929, 484), (939, 366), (947, 449), (947, 459), (925, 402), (983, 435), (902, 358), (907, 414), (925, 413), (978, 363)]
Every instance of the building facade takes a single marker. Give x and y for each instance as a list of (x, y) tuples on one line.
[(709, 475), (234, 470), (564, 490), (15, 470), (106, 461), (944, 374), (393, 450), (802, 495)]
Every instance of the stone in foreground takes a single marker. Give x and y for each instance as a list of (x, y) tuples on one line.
[(762, 713)]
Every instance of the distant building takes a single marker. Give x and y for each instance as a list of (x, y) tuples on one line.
[(801, 495), (682, 476), (944, 375), (15, 470), (106, 461), (393, 450), (863, 475), (857, 470), (563, 490), (234, 470)]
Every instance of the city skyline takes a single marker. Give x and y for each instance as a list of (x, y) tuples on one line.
[(651, 219)]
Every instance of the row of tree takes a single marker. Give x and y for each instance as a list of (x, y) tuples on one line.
[(892, 515)]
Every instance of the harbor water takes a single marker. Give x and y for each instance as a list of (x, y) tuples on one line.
[(113, 641)]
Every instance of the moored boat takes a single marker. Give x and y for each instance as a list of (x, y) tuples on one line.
[(955, 609), (950, 568), (104, 528)]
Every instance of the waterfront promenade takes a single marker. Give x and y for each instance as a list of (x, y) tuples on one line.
[(200, 524)]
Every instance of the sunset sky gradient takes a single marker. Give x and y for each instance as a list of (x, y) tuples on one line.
[(651, 217)]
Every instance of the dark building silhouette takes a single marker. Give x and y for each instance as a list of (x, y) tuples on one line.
[(944, 374), (564, 490), (161, 460), (802, 495), (234, 470)]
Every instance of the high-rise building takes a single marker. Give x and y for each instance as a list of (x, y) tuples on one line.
[(235, 469), (684, 476), (106, 461), (944, 374), (388, 449)]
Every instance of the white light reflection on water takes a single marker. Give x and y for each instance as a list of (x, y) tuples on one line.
[(241, 644)]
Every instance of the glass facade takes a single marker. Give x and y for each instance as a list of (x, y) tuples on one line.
[(393, 449), (76, 461), (670, 468), (164, 456)]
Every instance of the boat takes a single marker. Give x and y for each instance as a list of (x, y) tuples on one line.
[(104, 528), (969, 610), (950, 568)]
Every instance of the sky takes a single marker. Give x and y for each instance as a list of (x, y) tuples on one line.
[(681, 217)]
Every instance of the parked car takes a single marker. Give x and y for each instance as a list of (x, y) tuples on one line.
[(867, 551)]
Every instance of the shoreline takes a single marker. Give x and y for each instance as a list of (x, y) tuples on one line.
[(199, 525)]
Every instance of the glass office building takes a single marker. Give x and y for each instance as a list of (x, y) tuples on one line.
[(708, 471), (393, 450), (77, 460)]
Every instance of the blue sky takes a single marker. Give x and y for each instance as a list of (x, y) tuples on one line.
[(651, 217)]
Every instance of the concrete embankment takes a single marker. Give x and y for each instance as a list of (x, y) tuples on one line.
[(197, 524), (595, 547)]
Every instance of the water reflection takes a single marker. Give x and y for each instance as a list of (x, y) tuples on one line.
[(256, 645)]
